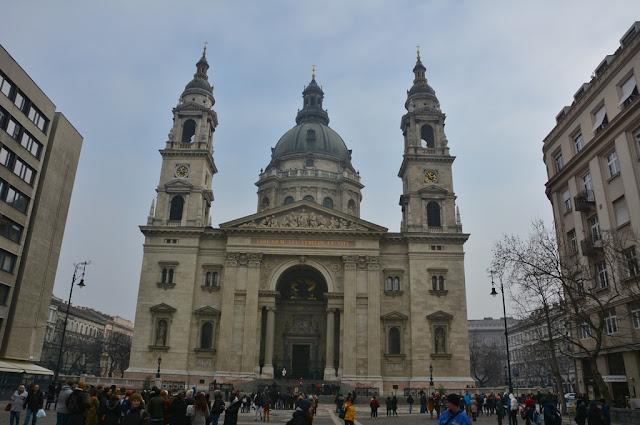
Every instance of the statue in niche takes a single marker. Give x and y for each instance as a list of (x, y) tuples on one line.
[(439, 341), (161, 333)]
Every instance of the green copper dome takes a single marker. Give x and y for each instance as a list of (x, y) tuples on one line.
[(312, 133), (311, 137)]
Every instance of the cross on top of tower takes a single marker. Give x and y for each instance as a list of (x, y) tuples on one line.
[(313, 73), (204, 53)]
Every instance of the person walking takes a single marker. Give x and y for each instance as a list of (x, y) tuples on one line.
[(453, 415), (349, 411), (375, 405), (217, 408), (394, 405), (474, 408), (231, 412), (34, 402), (499, 407), (51, 395), (17, 404), (581, 413), (62, 411), (410, 403), (258, 404), (513, 410)]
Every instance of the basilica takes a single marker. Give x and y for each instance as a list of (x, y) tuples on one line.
[(304, 286)]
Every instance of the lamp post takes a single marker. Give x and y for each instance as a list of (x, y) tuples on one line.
[(431, 377), (81, 284), (506, 330), (159, 362)]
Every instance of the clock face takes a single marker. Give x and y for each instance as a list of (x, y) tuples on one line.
[(182, 171), (430, 177)]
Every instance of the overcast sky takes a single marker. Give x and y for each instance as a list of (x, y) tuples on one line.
[(502, 70)]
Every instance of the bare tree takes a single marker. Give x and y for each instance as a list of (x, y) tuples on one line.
[(487, 358), (117, 349), (550, 277)]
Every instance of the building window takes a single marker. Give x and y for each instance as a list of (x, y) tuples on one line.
[(351, 207), (434, 283), (566, 199), (611, 322), (628, 91), (309, 198), (427, 136), (559, 161), (601, 275), (584, 330), (10, 229), (578, 142), (612, 164), (17, 199), (621, 210), (586, 182), (7, 261), (310, 163), (265, 203), (394, 341), (288, 200), (14, 129), (206, 336), (441, 283), (635, 315), (19, 101), (594, 227), (327, 202), (393, 281), (5, 85), (188, 131), (600, 119), (177, 204), (31, 144), (631, 262), (6, 157), (22, 170), (167, 275), (573, 241), (36, 117), (311, 137), (433, 214), (637, 139), (4, 293), (211, 279)]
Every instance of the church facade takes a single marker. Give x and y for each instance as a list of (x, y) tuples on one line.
[(304, 284)]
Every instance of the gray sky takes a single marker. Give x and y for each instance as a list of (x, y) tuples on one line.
[(502, 70)]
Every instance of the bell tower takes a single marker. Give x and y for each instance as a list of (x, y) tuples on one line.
[(184, 191), (428, 200)]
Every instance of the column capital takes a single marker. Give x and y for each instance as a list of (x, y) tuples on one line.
[(331, 310), (349, 262), (270, 308), (231, 259), (255, 259)]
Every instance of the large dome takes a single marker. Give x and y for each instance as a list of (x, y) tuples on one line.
[(311, 137)]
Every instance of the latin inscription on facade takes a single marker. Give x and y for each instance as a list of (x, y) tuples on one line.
[(303, 242)]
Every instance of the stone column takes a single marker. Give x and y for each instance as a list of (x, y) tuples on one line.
[(340, 344), (267, 369), (350, 318), (258, 342), (251, 313), (228, 286), (373, 313), (329, 369)]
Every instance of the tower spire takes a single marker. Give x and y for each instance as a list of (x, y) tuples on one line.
[(419, 70), (202, 66)]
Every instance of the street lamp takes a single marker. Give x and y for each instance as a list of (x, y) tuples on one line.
[(158, 372), (81, 284), (506, 330), (431, 376)]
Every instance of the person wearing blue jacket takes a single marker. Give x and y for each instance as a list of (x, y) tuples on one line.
[(453, 415)]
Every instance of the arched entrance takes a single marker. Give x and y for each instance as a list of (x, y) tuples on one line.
[(301, 328)]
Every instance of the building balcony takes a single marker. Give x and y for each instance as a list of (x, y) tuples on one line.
[(591, 245), (585, 200)]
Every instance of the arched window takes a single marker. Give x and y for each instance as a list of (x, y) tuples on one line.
[(351, 207), (206, 335), (163, 279), (426, 134), (396, 283), (215, 279), (310, 162), (170, 277), (434, 283), (177, 204), (442, 283), (309, 198), (394, 341), (207, 279), (288, 200), (389, 283), (327, 202), (265, 203), (433, 214), (188, 131)]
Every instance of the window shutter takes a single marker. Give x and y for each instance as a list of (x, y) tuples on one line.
[(599, 118), (622, 211), (627, 89)]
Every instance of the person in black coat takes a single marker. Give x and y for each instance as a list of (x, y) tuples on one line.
[(594, 416), (34, 402), (581, 413), (231, 412), (303, 414), (177, 410)]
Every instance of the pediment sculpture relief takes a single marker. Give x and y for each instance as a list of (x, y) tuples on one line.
[(304, 220)]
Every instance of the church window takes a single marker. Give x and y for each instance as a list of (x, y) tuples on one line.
[(441, 281), (313, 101), (211, 279), (427, 136), (433, 214), (394, 341), (310, 163), (393, 282), (396, 283), (188, 131), (177, 204), (309, 198), (207, 279), (389, 283), (265, 203), (206, 335), (327, 202), (167, 276), (288, 200), (434, 283)]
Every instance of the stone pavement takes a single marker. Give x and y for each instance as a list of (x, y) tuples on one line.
[(326, 416)]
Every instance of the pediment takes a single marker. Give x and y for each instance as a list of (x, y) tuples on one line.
[(394, 316), (207, 311), (162, 308), (440, 316), (178, 186), (303, 216), (431, 189)]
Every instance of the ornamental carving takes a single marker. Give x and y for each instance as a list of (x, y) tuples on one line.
[(361, 262), (243, 259), (304, 220), (254, 259), (349, 262), (231, 259), (373, 262)]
